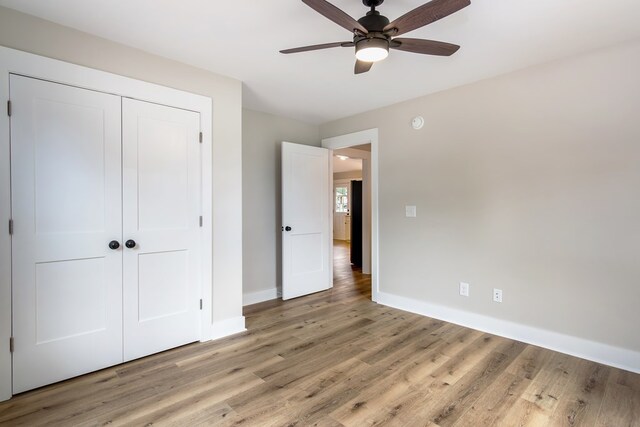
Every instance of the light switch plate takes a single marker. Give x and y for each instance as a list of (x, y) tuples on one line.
[(410, 211)]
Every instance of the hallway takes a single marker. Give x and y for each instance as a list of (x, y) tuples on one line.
[(347, 278)]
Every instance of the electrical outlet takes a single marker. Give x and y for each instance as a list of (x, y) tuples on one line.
[(464, 289), (410, 211), (497, 295)]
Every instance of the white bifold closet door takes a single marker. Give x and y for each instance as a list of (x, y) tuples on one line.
[(66, 208), (90, 169), (161, 198)]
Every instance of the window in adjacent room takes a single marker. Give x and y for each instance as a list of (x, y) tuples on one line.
[(342, 199)]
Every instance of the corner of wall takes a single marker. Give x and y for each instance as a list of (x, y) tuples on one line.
[(227, 327), (260, 296)]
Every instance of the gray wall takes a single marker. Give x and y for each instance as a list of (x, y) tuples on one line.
[(528, 182), (262, 135), (30, 34)]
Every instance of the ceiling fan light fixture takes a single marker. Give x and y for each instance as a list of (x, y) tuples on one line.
[(372, 49), (373, 34)]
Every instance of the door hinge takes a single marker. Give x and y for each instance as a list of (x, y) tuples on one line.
[(11, 344), (200, 220), (200, 137), (10, 226), (200, 303), (9, 108)]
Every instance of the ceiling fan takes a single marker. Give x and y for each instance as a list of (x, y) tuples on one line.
[(374, 35)]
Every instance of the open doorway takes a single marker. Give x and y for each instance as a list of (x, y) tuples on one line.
[(349, 200), (351, 263), (354, 183)]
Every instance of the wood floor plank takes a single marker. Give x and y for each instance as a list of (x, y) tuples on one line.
[(530, 362), (172, 407), (548, 386), (371, 405), (458, 398), (501, 394), (583, 396), (335, 359), (620, 407), (525, 414)]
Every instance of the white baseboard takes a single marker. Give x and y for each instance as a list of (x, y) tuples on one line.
[(260, 296), (227, 327), (591, 350)]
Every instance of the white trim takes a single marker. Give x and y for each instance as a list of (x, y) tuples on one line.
[(226, 327), (359, 138), (332, 207), (18, 62), (591, 350), (5, 238), (208, 239), (260, 296)]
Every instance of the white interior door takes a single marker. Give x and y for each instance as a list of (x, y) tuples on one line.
[(66, 208), (161, 216), (306, 213)]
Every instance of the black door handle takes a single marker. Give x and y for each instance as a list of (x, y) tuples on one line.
[(287, 228), (130, 244), (114, 244)]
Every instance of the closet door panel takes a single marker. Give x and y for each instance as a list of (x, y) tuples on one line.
[(161, 198), (66, 206)]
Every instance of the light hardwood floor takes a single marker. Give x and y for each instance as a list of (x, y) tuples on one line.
[(335, 358)]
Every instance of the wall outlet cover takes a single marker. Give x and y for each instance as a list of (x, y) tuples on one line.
[(410, 211), (497, 295), (464, 289)]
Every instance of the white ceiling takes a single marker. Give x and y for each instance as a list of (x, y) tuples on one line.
[(348, 165), (354, 161), (241, 39)]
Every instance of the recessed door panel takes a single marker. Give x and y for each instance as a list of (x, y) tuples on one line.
[(71, 299), (163, 285), (308, 170), (69, 156), (161, 197), (306, 254), (163, 174), (66, 207)]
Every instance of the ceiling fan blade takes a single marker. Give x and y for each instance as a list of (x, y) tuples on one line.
[(425, 14), (317, 47), (427, 47), (336, 15), (362, 67)]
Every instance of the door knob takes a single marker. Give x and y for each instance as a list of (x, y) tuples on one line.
[(130, 244), (287, 228), (114, 244)]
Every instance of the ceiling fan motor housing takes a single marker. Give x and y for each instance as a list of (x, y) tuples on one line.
[(372, 3), (374, 23)]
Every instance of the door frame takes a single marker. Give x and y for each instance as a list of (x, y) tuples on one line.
[(369, 136), (17, 62)]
